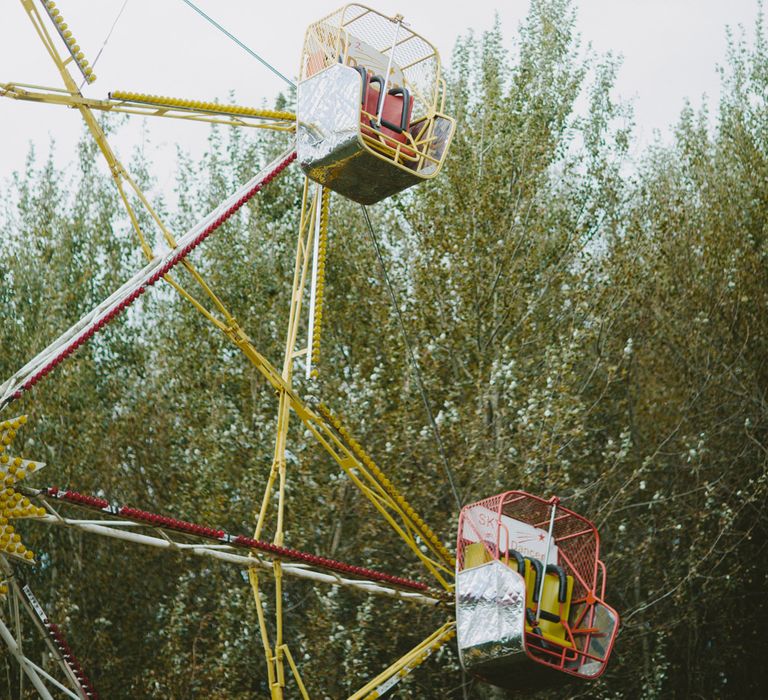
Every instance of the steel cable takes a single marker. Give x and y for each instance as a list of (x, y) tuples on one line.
[(414, 364), (266, 64)]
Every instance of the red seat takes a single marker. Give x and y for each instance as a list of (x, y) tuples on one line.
[(395, 115)]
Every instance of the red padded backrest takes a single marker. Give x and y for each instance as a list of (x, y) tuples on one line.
[(392, 113)]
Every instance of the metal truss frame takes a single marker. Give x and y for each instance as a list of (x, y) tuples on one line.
[(326, 428), (20, 599)]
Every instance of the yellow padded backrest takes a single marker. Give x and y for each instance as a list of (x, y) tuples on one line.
[(475, 554), (551, 604)]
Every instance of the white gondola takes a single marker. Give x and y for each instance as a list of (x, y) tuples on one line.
[(370, 105)]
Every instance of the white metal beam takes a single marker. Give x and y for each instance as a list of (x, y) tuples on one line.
[(228, 554), (26, 665), (125, 295)]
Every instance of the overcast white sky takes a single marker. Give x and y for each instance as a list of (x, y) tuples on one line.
[(670, 48)]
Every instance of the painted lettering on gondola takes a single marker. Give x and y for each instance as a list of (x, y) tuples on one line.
[(361, 54), (481, 524)]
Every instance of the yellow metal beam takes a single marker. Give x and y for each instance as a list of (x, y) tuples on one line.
[(405, 664), (200, 107), (313, 345), (397, 512), (119, 173), (69, 40), (295, 671), (151, 106), (416, 523), (310, 199)]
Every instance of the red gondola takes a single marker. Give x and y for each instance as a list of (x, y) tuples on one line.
[(529, 592)]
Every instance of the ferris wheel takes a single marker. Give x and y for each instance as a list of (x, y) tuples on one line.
[(524, 593)]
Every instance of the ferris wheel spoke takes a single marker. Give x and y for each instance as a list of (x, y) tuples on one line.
[(412, 537), (171, 534), (98, 317), (393, 674), (295, 671), (382, 493), (397, 513), (137, 104), (77, 684)]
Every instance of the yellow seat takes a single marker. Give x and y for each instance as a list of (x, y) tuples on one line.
[(555, 604), (475, 554), (557, 592), (533, 572)]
